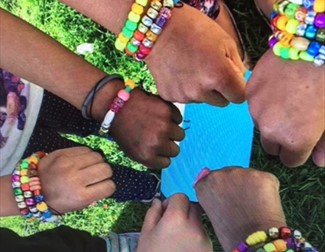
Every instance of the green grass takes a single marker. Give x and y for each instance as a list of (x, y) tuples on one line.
[(302, 189)]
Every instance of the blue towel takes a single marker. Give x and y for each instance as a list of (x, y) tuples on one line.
[(215, 138)]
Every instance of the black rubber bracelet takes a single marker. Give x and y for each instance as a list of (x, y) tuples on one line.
[(89, 100)]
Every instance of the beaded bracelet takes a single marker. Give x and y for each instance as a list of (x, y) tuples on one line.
[(122, 97), (299, 30), (88, 102), (131, 24), (275, 239), (27, 190)]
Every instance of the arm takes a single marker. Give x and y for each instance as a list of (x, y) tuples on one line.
[(8, 205), (175, 59)]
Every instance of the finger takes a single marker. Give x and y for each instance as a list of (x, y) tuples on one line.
[(294, 158), (95, 173), (270, 147), (159, 162), (101, 190), (87, 159), (176, 133), (73, 151), (169, 149), (318, 154), (176, 114), (153, 216), (178, 203), (216, 99), (195, 214), (233, 86)]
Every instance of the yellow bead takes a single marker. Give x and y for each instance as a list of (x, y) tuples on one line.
[(142, 2), (134, 17), (256, 238), (282, 22), (319, 6), (269, 247), (130, 83), (151, 36), (284, 38), (280, 245), (137, 9), (156, 4), (24, 172), (294, 53), (122, 38), (306, 57), (120, 45), (277, 49), (42, 207), (292, 25), (24, 180)]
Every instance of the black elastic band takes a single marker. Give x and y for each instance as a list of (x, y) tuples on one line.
[(89, 100)]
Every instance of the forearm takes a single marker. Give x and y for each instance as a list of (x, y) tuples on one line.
[(31, 54), (8, 205)]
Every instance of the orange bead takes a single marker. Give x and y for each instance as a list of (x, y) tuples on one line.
[(151, 36), (280, 245), (282, 22), (130, 83)]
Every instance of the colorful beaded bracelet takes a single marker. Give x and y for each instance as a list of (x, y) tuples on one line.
[(275, 239), (27, 190), (131, 24), (122, 97), (299, 30)]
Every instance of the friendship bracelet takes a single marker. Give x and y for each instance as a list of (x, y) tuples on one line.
[(122, 97), (89, 100), (275, 239), (27, 190), (299, 30)]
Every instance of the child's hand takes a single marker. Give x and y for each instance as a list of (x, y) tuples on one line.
[(146, 129), (73, 178)]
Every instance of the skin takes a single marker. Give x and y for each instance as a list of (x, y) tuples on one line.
[(173, 225), (175, 61), (239, 202), (146, 127), (291, 120), (71, 179)]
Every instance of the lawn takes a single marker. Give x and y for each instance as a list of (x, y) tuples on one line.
[(302, 189)]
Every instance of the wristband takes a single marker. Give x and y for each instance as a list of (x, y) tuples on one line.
[(88, 102)]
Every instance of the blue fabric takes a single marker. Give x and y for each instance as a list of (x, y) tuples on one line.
[(215, 138)]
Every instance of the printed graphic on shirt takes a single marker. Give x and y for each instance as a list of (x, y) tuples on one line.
[(208, 7), (13, 103)]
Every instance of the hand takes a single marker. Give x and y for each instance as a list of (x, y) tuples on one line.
[(73, 178), (146, 129), (239, 202), (287, 102), (174, 225), (194, 60)]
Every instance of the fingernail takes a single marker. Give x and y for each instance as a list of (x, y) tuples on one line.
[(155, 201), (203, 173)]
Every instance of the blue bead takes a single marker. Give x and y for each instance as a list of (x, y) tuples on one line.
[(308, 4), (29, 215), (47, 214), (313, 48), (310, 17), (39, 198), (310, 32), (273, 14)]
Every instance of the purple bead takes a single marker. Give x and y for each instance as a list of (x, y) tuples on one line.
[(320, 20), (15, 178), (242, 247), (161, 21), (272, 41), (140, 56), (291, 244), (30, 202)]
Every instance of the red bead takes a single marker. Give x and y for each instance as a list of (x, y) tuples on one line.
[(285, 232), (139, 35), (144, 50), (24, 187)]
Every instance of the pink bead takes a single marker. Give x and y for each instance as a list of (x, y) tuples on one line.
[(124, 95)]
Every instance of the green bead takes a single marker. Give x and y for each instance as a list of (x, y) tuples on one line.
[(292, 25), (132, 26), (128, 89), (284, 53), (306, 57), (269, 247), (290, 10), (276, 49), (127, 33), (132, 48), (294, 53), (24, 164), (18, 191)]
